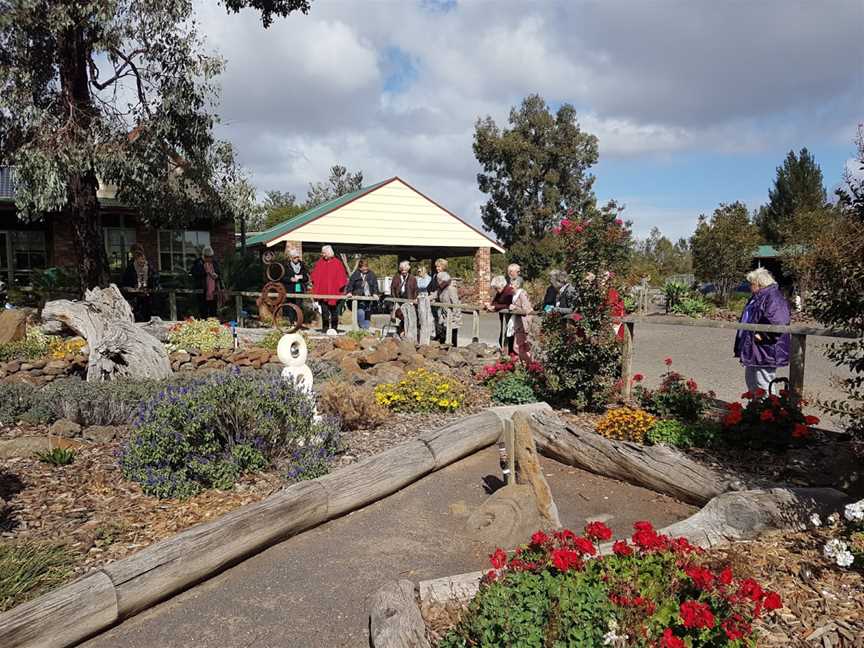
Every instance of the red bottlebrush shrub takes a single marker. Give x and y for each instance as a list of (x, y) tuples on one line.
[(653, 591)]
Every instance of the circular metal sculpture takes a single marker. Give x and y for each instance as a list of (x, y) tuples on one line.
[(273, 294)]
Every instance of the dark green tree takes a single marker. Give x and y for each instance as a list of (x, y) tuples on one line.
[(340, 182), (723, 247), (797, 187), (534, 171), (112, 92)]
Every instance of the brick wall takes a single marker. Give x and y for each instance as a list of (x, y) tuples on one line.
[(222, 239), (483, 273)]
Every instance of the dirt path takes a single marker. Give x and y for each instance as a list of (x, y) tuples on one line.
[(311, 590)]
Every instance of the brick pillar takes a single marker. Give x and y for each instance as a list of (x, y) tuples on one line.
[(483, 273)]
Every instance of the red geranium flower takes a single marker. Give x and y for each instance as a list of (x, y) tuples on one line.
[(772, 601), (811, 420), (736, 627), (598, 531), (748, 395), (759, 392), (643, 525), (584, 545), (539, 538), (701, 577), (564, 559), (691, 385), (619, 222), (576, 317), (800, 431), (749, 588), (668, 362), (696, 615), (669, 640), (621, 548), (499, 558), (725, 577), (638, 377), (767, 416)]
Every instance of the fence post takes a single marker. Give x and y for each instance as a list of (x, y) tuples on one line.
[(627, 357), (172, 305), (797, 357), (355, 325), (238, 308), (475, 326)]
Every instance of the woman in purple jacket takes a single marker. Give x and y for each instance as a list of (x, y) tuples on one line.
[(761, 353)]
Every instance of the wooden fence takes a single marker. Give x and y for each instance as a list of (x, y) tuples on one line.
[(797, 351)]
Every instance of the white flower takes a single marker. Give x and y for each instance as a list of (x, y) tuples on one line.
[(815, 520), (854, 512), (845, 558), (833, 519), (834, 548)]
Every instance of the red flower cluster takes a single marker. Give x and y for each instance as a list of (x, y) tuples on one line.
[(668, 362), (696, 615), (776, 418), (490, 372), (566, 226), (598, 531), (565, 559)]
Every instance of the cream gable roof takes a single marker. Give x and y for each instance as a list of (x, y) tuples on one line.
[(392, 213)]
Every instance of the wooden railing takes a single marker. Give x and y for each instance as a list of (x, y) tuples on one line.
[(797, 350)]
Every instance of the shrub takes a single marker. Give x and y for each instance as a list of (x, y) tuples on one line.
[(422, 390), (208, 434), (625, 424), (57, 456), (669, 432), (322, 370), (204, 335), (270, 341), (16, 399), (35, 345), (656, 592), (674, 292), (692, 306), (768, 421), (677, 397), (514, 389), (28, 568), (359, 334), (356, 407), (846, 548), (310, 462)]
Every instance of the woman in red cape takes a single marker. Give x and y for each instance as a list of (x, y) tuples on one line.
[(329, 278)]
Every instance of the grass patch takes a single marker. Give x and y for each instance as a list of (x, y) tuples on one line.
[(29, 568)]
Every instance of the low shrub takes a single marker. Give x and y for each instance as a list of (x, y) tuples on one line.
[(311, 461), (422, 390), (846, 548), (514, 389), (658, 591), (677, 397), (699, 434), (29, 568), (57, 456), (322, 370), (356, 407), (625, 424), (270, 341), (35, 345), (768, 421), (16, 399), (203, 335), (359, 334), (208, 434), (692, 306)]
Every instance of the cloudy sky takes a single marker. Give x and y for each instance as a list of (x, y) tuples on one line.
[(694, 103)]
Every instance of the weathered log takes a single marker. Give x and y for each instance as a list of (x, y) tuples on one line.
[(530, 472), (62, 617), (394, 617), (507, 517), (118, 348), (461, 438), (660, 468), (425, 320)]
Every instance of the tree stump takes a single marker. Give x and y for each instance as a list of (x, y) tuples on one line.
[(118, 348)]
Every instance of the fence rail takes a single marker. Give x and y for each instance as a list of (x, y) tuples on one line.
[(797, 351)]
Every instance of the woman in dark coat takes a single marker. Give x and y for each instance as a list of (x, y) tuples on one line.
[(363, 283), (403, 286), (761, 353), (208, 279), (141, 275), (501, 300), (295, 280)]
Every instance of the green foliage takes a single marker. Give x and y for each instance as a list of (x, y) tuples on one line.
[(674, 292), (28, 568), (514, 389), (657, 258), (676, 398), (271, 340), (768, 421), (723, 246), (703, 433), (354, 406), (278, 215), (35, 345), (16, 399), (536, 256), (692, 306), (340, 182), (359, 334), (798, 187), (203, 335), (57, 456), (242, 272), (533, 169), (207, 435)]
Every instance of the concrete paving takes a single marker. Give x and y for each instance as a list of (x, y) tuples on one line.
[(312, 590)]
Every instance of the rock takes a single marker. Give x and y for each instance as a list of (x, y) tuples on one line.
[(385, 352), (454, 360), (273, 366), (26, 366), (39, 364), (13, 324), (530, 472), (389, 372), (368, 342), (407, 348), (414, 361), (214, 364), (188, 366), (100, 433), (65, 428), (430, 352), (56, 367), (335, 355), (180, 357), (345, 344), (13, 366), (349, 365), (25, 446)]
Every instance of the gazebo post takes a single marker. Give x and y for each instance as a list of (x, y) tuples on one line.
[(483, 273)]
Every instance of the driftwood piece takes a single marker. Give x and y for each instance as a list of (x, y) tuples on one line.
[(507, 517), (660, 468), (118, 348), (394, 617), (425, 320), (409, 321), (530, 472), (62, 617)]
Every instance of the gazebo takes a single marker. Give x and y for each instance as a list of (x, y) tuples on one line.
[(388, 217)]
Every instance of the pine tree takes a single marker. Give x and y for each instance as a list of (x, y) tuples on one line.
[(797, 187)]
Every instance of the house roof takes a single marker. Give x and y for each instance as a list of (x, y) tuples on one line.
[(772, 252), (388, 214)]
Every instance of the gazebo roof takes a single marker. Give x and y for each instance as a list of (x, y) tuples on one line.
[(386, 217)]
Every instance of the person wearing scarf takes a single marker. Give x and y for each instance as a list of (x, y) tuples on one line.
[(295, 280), (363, 282), (141, 275), (447, 294), (521, 319), (329, 278)]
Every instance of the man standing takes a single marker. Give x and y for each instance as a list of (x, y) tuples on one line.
[(363, 282)]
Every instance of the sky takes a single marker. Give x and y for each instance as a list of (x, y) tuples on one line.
[(694, 102)]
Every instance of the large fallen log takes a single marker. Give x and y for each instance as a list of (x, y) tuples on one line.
[(118, 348), (660, 468), (394, 618)]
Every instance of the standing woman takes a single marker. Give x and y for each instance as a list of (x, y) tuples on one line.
[(403, 286), (423, 280), (208, 277), (447, 294), (761, 353), (141, 274), (521, 319), (363, 282), (329, 278), (501, 300), (295, 280)]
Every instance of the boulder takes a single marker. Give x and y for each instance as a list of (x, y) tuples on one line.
[(407, 348), (349, 365), (335, 355), (23, 446), (385, 352), (13, 366), (100, 433), (13, 325), (389, 372), (368, 342), (180, 357), (56, 367), (454, 360), (430, 352), (65, 428), (345, 344), (38, 364)]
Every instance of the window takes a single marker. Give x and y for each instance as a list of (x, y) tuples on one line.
[(28, 253), (178, 249), (118, 240)]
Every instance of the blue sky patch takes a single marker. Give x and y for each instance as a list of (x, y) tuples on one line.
[(400, 69)]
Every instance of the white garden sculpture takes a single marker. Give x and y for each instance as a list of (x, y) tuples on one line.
[(292, 353)]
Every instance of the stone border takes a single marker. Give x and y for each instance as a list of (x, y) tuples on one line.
[(121, 589)]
